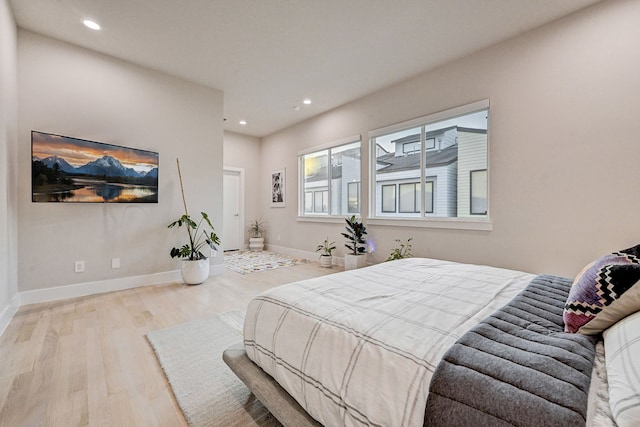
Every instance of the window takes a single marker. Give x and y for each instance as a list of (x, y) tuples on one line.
[(330, 179), (409, 197), (389, 198), (353, 197), (320, 201), (449, 149), (478, 192), (308, 202), (411, 147), (429, 186)]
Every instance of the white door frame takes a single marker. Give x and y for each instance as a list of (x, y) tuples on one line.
[(240, 172)]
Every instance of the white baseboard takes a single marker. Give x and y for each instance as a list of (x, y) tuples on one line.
[(102, 286), (98, 287), (8, 312), (90, 288)]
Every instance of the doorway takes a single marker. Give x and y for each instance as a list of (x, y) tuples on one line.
[(233, 209)]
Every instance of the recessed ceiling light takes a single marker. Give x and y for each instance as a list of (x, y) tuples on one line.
[(307, 101), (91, 24), (243, 122)]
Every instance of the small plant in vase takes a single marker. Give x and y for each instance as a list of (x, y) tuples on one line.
[(195, 265), (256, 237), (356, 244), (325, 248), (402, 251)]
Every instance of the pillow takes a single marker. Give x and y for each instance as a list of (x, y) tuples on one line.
[(604, 292), (622, 353)]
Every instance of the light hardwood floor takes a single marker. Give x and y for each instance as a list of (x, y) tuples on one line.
[(86, 361)]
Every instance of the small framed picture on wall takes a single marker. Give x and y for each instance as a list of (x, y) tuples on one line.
[(277, 188)]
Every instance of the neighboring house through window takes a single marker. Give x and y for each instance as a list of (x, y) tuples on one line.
[(330, 179), (432, 167)]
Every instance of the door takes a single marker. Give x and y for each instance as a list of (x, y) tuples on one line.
[(233, 194)]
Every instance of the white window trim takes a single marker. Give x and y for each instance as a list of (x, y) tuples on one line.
[(302, 217), (323, 218), (431, 118), (464, 223), (343, 141), (442, 222)]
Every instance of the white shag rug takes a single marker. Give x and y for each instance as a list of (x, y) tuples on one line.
[(207, 391)]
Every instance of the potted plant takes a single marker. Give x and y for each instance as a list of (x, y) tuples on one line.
[(356, 257), (195, 265), (402, 251), (256, 239), (325, 248)]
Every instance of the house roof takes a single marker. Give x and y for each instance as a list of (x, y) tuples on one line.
[(393, 163), (432, 134)]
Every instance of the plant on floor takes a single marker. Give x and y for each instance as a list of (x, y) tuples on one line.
[(402, 251), (326, 248), (200, 234), (256, 239), (256, 228), (354, 235)]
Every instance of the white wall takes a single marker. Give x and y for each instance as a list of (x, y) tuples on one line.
[(242, 151), (565, 102), (8, 167), (67, 90)]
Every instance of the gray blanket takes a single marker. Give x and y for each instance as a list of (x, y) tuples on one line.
[(517, 367)]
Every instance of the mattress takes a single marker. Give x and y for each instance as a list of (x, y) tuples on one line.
[(360, 347)]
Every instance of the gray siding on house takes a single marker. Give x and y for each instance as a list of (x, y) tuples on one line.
[(472, 155)]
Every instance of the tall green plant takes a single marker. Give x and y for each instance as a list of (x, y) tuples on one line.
[(199, 235), (354, 235)]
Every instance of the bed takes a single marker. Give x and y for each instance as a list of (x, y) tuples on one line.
[(418, 342)]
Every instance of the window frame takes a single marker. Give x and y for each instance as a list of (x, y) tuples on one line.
[(432, 181), (428, 221), (416, 203), (395, 198), (326, 216), (358, 196), (486, 186)]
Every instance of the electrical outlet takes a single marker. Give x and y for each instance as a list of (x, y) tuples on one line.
[(278, 237), (115, 262), (214, 253), (79, 266)]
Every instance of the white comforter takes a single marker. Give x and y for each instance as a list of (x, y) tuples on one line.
[(359, 347)]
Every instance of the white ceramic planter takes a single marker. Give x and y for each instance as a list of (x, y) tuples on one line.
[(194, 272), (351, 262), (256, 244), (325, 261)]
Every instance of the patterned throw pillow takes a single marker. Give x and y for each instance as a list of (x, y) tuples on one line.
[(604, 292)]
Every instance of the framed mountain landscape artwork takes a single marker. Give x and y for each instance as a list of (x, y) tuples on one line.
[(66, 169)]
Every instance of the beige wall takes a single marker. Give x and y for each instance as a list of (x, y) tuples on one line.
[(75, 92), (8, 160), (565, 102), (243, 152)]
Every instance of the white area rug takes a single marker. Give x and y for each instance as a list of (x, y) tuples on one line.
[(207, 391), (246, 262)]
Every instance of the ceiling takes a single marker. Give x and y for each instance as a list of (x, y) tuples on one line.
[(268, 55)]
